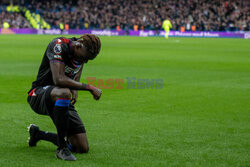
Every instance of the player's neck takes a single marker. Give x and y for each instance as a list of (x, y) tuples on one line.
[(71, 49)]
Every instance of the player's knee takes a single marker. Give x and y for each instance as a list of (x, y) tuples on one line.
[(82, 149), (64, 93)]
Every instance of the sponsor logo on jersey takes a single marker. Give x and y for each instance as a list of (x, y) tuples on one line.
[(71, 71), (57, 49)]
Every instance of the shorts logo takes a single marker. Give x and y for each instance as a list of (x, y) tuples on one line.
[(57, 57), (33, 93), (57, 49), (45, 87)]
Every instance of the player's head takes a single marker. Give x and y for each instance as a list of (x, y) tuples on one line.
[(87, 47)]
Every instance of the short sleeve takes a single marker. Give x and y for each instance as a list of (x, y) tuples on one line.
[(55, 51)]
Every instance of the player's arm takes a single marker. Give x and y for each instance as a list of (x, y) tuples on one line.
[(170, 25), (75, 92), (163, 24), (61, 80)]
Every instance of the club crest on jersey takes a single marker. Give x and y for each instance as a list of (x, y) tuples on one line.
[(57, 49)]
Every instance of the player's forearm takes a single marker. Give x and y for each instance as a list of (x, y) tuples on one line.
[(66, 82), (77, 77)]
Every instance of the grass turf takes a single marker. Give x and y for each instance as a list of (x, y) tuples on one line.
[(200, 118)]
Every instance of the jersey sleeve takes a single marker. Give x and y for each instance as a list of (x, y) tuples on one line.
[(55, 51)]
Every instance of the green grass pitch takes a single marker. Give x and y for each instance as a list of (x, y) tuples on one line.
[(201, 117)]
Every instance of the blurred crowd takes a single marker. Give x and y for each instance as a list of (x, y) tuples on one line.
[(13, 20), (197, 15)]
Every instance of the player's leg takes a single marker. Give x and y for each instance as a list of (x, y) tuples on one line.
[(77, 137), (61, 99), (53, 101), (60, 116), (79, 143), (166, 33), (40, 101), (36, 135)]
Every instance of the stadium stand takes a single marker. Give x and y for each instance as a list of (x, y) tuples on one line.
[(190, 15), (13, 20)]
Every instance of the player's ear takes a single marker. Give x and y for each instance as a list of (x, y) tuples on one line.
[(79, 45)]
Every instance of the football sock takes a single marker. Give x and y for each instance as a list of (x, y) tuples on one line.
[(51, 137), (61, 120), (70, 147), (47, 136)]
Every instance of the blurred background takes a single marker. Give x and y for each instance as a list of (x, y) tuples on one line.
[(185, 15)]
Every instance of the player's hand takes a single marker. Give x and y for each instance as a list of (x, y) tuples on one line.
[(74, 96), (96, 93)]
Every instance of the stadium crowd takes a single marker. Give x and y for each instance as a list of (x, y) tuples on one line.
[(196, 15), (13, 20)]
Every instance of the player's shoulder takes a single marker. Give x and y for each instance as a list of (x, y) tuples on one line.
[(55, 44), (60, 40), (60, 44), (58, 49), (74, 39)]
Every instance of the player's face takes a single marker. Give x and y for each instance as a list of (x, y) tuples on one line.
[(80, 53)]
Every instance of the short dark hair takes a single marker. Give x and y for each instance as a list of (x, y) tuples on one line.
[(92, 43)]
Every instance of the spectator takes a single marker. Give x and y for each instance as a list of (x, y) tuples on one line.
[(14, 20)]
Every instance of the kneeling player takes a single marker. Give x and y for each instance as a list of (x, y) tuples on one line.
[(54, 93)]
